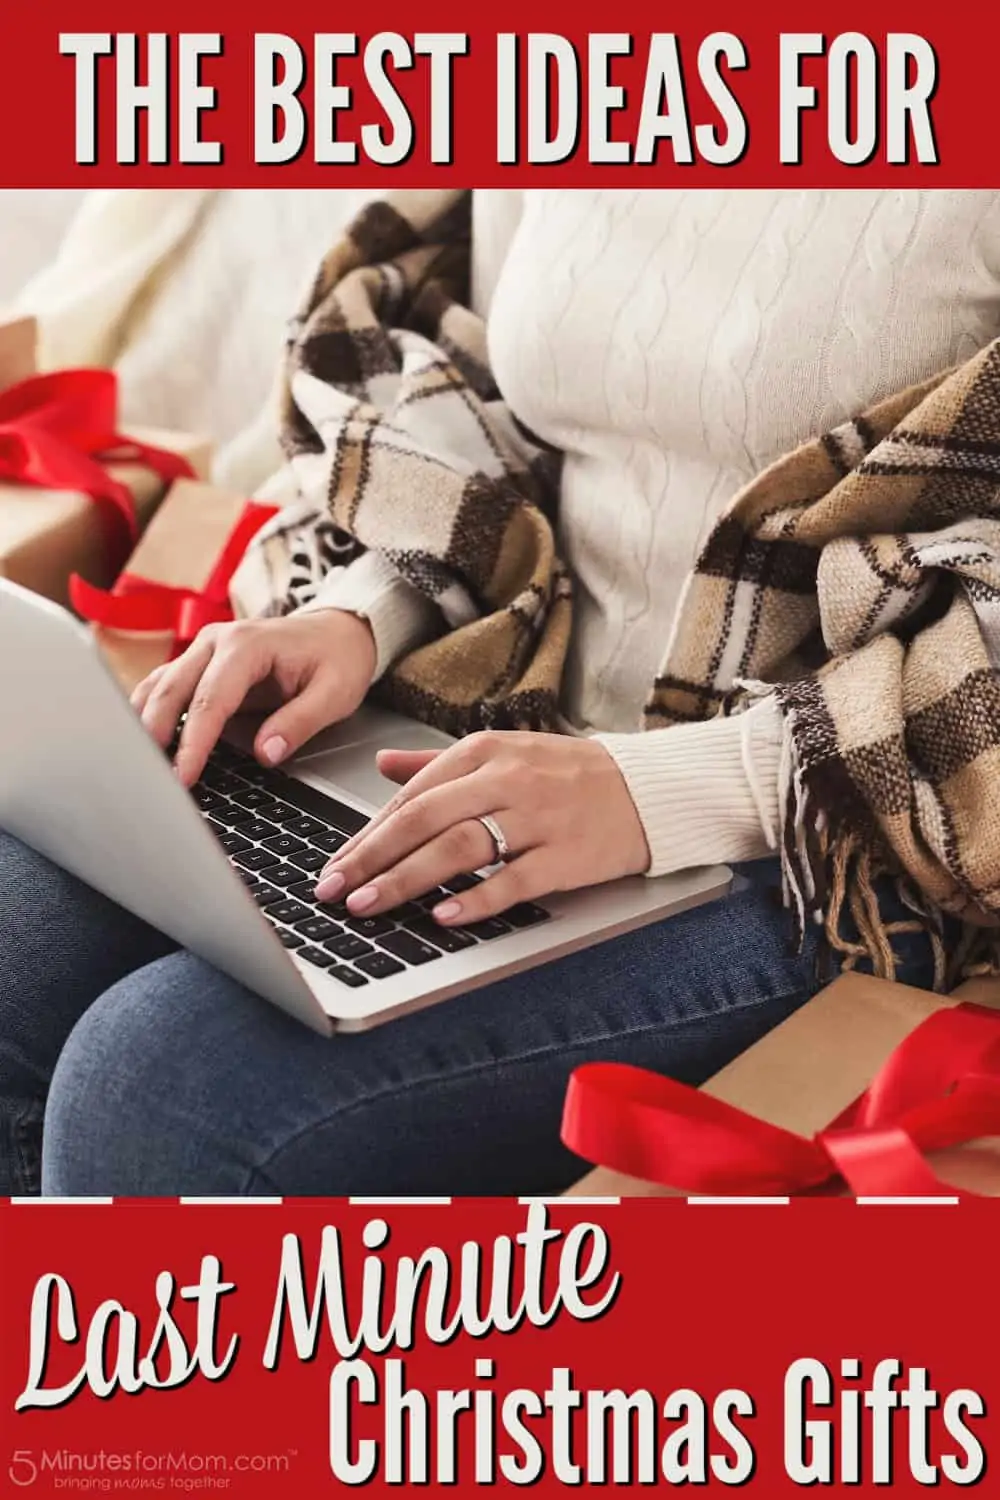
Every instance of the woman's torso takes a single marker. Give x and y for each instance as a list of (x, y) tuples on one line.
[(673, 343)]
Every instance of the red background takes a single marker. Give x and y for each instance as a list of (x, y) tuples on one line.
[(37, 104), (712, 1297)]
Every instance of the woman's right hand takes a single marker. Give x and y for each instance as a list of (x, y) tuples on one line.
[(318, 666)]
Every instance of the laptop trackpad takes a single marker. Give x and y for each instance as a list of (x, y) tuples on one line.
[(345, 754)]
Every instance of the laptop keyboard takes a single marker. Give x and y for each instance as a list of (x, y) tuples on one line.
[(279, 834)]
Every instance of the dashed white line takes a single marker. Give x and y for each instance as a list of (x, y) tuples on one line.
[(391, 1202), (720, 1202), (62, 1201), (889, 1202), (229, 1202), (595, 1202)]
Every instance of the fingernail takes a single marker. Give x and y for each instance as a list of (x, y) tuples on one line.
[(330, 886), (361, 900), (447, 911), (274, 749)]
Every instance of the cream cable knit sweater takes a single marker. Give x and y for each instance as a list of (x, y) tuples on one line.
[(672, 344)]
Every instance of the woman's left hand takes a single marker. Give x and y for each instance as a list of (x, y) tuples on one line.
[(561, 803)]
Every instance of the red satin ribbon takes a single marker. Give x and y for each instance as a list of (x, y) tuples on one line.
[(57, 432), (940, 1088), (142, 605)]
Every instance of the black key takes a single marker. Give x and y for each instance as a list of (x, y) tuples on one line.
[(335, 909), (250, 880), (305, 890), (255, 774), (349, 946), (449, 939), (258, 830), (316, 929), (459, 883), (525, 914), (256, 859), (289, 939), (431, 898), (408, 947), (252, 797), (279, 811), (408, 912), (379, 965), (311, 860), (368, 926), (221, 781), (215, 825), (275, 811), (233, 843), (268, 896), (489, 927), (303, 826), (330, 842), (283, 844), (347, 976), (235, 817), (206, 799), (315, 956), (283, 874), (289, 911), (224, 755)]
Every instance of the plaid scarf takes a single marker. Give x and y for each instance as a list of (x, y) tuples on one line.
[(858, 578)]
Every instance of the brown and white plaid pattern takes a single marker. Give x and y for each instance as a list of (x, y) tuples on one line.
[(395, 431), (858, 577)]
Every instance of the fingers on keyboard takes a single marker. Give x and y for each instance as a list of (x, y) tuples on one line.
[(279, 833)]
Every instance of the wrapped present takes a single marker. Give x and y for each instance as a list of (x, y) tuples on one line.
[(75, 493), (874, 1089), (176, 582), (18, 344)]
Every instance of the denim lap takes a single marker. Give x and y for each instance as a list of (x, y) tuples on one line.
[(158, 1075)]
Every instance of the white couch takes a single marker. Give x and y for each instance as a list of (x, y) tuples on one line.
[(32, 223), (187, 293)]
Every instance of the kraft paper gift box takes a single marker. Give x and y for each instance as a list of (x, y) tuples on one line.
[(806, 1072), (18, 344), (48, 534), (177, 578)]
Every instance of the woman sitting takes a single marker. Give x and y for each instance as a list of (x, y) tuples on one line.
[(536, 494)]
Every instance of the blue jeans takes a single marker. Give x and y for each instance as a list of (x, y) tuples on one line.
[(153, 1074)]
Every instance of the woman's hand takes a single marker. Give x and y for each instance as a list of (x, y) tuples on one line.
[(561, 803), (318, 666)]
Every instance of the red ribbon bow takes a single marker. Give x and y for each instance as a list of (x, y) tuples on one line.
[(940, 1088), (57, 431), (142, 605)]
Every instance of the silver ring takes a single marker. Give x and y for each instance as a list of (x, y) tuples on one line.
[(502, 850)]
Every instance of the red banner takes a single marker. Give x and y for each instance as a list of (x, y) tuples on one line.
[(767, 1347), (550, 94)]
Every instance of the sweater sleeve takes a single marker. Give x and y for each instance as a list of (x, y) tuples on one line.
[(401, 618), (705, 793)]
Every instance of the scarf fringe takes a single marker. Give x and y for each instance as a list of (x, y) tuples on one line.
[(829, 878)]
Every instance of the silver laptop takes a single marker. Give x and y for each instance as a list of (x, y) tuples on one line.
[(228, 871)]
